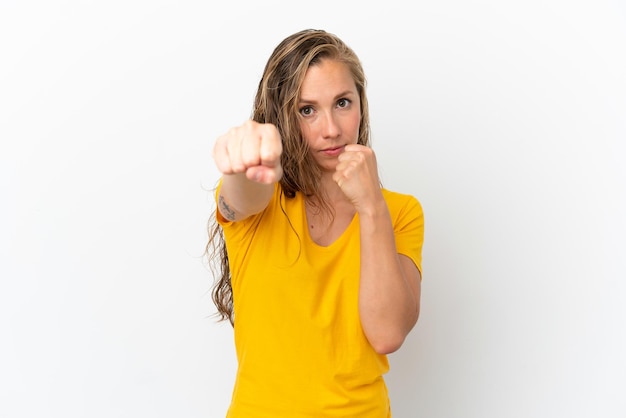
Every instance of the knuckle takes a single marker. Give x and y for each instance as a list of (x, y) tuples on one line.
[(270, 154), (250, 159), (233, 132)]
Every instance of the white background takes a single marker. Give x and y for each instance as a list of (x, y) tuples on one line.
[(507, 120)]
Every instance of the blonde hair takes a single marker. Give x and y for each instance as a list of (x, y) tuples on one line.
[(276, 102)]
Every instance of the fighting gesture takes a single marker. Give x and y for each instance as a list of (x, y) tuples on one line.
[(249, 158), (252, 148), (357, 176), (313, 248)]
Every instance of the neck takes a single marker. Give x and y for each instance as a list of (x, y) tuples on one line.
[(332, 191), (330, 200)]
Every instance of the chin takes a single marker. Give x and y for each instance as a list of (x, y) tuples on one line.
[(327, 166)]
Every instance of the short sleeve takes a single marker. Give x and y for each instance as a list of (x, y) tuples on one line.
[(408, 226)]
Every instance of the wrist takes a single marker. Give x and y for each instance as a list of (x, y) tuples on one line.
[(374, 209)]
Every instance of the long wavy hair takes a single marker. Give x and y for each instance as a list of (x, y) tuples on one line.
[(276, 102)]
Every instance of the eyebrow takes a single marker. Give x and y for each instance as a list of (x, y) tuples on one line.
[(340, 95)]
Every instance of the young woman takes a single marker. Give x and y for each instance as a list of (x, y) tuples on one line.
[(319, 264)]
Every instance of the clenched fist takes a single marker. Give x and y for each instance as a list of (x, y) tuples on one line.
[(357, 176), (252, 148)]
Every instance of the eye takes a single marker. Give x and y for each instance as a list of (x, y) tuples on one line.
[(306, 111), (343, 103)]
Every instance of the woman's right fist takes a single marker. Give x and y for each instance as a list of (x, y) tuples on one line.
[(252, 148)]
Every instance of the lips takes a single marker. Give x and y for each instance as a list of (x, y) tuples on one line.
[(333, 151)]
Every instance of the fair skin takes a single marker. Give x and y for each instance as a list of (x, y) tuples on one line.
[(249, 158)]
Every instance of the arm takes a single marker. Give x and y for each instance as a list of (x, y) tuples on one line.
[(389, 296), (389, 293), (249, 158)]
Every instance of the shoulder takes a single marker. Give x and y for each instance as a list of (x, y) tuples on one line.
[(404, 209), (401, 201)]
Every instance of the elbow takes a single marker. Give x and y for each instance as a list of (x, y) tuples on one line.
[(388, 341), (387, 345), (392, 339)]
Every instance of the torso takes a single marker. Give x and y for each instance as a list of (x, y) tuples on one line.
[(297, 297)]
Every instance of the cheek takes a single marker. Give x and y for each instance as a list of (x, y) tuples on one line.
[(355, 124), (307, 132)]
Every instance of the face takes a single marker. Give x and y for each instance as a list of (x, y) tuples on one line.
[(330, 111)]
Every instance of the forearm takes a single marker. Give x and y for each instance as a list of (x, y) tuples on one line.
[(239, 197), (389, 293)]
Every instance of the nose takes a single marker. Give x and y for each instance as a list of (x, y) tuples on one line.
[(330, 128)]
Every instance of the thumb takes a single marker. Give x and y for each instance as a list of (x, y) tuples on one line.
[(263, 174)]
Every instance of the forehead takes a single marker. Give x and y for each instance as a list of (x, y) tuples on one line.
[(327, 77)]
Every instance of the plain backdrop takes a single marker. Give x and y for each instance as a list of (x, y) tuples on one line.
[(506, 119)]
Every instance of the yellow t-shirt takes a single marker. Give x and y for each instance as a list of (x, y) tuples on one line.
[(300, 347)]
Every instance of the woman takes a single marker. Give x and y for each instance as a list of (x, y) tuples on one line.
[(320, 265)]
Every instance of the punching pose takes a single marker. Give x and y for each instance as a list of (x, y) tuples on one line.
[(319, 264)]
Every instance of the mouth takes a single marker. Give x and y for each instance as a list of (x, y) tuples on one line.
[(333, 151)]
